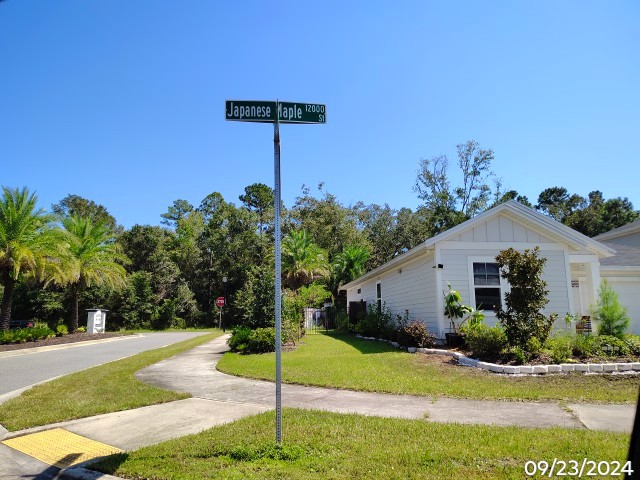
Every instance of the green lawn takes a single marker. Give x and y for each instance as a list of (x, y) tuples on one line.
[(320, 445), (351, 363), (107, 388)]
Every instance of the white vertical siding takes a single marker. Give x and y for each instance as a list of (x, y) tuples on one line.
[(502, 229)]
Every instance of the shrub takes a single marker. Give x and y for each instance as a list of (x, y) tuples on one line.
[(518, 354), (533, 347), (62, 330), (633, 342), (292, 316), (178, 323), (486, 342), (342, 321), (6, 336), (239, 339), (612, 346), (560, 348), (164, 316), (523, 318), (417, 335), (612, 317), (584, 346), (21, 335), (81, 329), (262, 340), (41, 331), (375, 323)]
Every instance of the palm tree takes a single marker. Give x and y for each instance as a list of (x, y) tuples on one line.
[(28, 244), (302, 260), (348, 265), (94, 259)]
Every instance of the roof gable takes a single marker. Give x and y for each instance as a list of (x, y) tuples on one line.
[(548, 229), (502, 228)]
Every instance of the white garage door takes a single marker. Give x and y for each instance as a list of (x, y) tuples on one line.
[(629, 294)]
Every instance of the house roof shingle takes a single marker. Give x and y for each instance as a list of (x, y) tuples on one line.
[(626, 256)]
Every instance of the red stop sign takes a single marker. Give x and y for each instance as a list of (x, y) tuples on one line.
[(220, 302)]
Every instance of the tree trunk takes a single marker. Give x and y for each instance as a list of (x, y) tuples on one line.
[(75, 294), (7, 299)]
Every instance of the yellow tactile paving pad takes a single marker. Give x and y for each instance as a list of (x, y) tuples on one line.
[(60, 448)]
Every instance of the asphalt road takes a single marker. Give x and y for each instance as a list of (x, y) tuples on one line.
[(22, 368)]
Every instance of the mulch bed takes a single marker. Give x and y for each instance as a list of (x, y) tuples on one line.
[(71, 338)]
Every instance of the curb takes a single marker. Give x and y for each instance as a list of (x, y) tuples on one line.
[(81, 473), (521, 369)]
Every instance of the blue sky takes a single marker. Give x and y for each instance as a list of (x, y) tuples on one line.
[(122, 102)]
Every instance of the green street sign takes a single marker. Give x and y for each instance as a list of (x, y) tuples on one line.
[(302, 113), (265, 112)]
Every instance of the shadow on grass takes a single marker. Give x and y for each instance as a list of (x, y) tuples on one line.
[(109, 464), (362, 345)]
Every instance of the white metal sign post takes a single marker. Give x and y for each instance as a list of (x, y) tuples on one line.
[(276, 112)]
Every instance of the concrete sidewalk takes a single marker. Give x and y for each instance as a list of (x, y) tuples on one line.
[(220, 398)]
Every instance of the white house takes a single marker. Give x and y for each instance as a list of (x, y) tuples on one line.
[(464, 256)]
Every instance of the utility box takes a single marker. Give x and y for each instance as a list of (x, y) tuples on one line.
[(96, 320)]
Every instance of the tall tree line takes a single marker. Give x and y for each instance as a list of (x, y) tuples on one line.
[(54, 265)]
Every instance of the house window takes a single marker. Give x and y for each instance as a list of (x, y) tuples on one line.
[(379, 296), (486, 285)]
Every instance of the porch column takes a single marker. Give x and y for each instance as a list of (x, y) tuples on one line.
[(594, 273)]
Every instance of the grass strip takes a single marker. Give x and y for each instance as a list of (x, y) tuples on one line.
[(111, 387), (322, 445), (343, 361)]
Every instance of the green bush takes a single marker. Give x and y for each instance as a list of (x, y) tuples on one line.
[(376, 324), (523, 318), (518, 355), (21, 335), (6, 336), (239, 339), (342, 321), (262, 340), (165, 315), (585, 346), (612, 346), (633, 342), (533, 347), (612, 317), (560, 348), (41, 331), (61, 330), (81, 329), (486, 342)]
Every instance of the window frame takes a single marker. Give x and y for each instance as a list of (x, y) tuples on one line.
[(379, 296), (503, 286)]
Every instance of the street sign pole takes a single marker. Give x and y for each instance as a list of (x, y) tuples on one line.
[(277, 112), (278, 294)]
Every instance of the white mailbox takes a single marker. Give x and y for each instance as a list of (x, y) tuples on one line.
[(96, 319)]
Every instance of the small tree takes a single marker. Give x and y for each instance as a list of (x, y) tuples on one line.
[(523, 319), (612, 317)]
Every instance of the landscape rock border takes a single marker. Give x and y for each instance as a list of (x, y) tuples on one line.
[(521, 369)]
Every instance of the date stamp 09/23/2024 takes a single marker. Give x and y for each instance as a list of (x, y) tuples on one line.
[(577, 468)]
